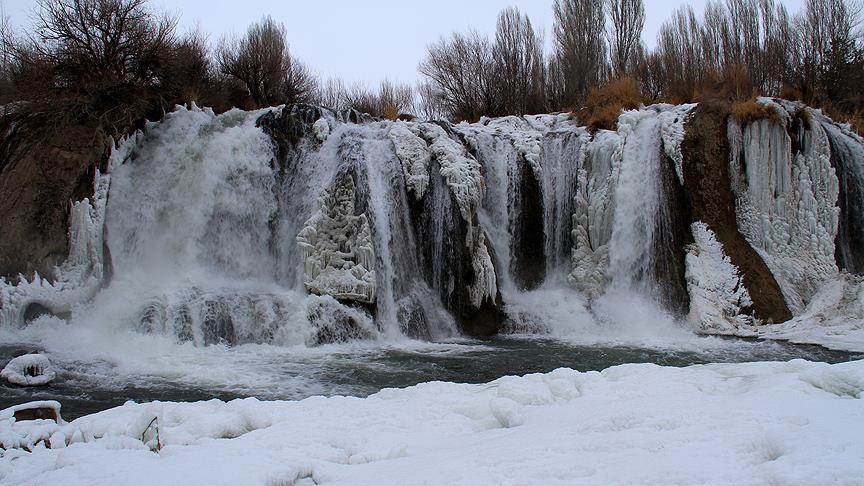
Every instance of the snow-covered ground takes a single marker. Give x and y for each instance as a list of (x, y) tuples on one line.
[(756, 423)]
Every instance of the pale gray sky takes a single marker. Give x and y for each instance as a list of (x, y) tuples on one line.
[(366, 40)]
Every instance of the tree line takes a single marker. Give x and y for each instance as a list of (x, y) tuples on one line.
[(120, 61)]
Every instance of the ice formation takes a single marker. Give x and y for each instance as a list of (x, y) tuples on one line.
[(834, 317), (460, 170), (28, 370), (672, 120), (415, 157), (337, 246), (593, 212), (717, 293), (787, 198)]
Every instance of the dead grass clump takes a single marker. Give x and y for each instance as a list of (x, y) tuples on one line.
[(750, 111), (605, 104)]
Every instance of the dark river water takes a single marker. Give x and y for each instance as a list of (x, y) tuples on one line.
[(268, 372)]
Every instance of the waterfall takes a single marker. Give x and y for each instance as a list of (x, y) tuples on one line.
[(562, 156), (847, 155), (638, 205), (301, 226)]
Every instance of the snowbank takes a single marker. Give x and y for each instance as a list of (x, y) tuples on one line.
[(754, 423)]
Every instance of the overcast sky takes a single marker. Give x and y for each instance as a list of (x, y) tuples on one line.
[(365, 40)]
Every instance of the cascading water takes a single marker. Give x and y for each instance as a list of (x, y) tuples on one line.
[(846, 157), (562, 156), (638, 206)]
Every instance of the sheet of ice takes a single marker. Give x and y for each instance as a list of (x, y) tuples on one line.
[(749, 424)]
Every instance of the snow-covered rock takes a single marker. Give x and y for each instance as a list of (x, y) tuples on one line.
[(460, 170), (716, 287), (28, 370)]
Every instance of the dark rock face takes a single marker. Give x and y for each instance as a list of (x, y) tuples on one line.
[(36, 310), (441, 234), (529, 251), (709, 194), (36, 413), (42, 168), (672, 236), (288, 126)]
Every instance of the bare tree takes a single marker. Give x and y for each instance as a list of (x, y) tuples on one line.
[(459, 69), (680, 48), (262, 61), (518, 65), (580, 47), (5, 56), (627, 21), (427, 104), (97, 43)]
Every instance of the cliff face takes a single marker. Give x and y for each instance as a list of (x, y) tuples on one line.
[(308, 225), (43, 169), (709, 195)]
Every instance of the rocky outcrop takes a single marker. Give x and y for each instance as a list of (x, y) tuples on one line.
[(705, 150), (44, 167)]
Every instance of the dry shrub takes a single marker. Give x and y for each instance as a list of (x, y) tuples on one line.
[(750, 111), (605, 104)]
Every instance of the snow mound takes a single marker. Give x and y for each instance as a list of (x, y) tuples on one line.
[(752, 423), (28, 370)]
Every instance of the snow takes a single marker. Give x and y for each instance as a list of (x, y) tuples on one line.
[(672, 121), (321, 129), (716, 287), (749, 424), (834, 318), (28, 370)]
